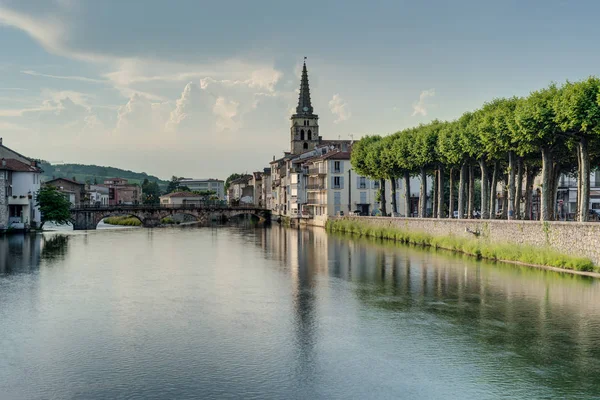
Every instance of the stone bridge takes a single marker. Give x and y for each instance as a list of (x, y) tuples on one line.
[(87, 218)]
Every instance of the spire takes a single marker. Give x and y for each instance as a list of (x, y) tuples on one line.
[(304, 106)]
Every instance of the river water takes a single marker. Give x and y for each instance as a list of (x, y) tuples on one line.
[(275, 313)]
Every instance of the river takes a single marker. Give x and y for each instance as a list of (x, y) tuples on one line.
[(276, 313)]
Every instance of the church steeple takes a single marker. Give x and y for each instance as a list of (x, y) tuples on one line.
[(304, 106), (305, 125)]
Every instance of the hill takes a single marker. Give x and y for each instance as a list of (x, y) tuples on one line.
[(94, 173)]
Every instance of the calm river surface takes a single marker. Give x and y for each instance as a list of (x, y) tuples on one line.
[(233, 312)]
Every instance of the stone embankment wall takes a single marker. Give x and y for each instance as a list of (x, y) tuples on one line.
[(573, 238)]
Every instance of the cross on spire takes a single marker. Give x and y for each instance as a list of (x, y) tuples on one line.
[(304, 105)]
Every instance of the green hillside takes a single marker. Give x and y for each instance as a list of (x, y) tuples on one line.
[(91, 173)]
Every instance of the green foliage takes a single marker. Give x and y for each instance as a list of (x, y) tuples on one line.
[(150, 192), (232, 177), (167, 221), (124, 221), (175, 185), (53, 205), (93, 173), (473, 247)]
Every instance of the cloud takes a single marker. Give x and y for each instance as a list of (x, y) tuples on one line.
[(191, 110), (420, 107), (71, 78), (339, 108), (140, 115), (226, 111)]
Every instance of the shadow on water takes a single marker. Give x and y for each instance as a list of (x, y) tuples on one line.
[(24, 253), (543, 325)]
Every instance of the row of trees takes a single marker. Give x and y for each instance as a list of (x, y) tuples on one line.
[(553, 131)]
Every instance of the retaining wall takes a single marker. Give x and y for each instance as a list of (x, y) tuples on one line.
[(573, 238)]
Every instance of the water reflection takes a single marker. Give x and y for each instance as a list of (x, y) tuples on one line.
[(541, 327), (23, 253)]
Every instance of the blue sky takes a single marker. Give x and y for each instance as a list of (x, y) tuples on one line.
[(199, 88)]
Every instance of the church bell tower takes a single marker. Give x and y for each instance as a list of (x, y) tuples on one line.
[(305, 124)]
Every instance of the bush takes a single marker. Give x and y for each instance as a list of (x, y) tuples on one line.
[(124, 221)]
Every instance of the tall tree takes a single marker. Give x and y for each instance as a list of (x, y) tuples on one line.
[(535, 118), (53, 205), (578, 115)]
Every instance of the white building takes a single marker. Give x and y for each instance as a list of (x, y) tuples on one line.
[(202, 185), (20, 182), (98, 195), (181, 198)]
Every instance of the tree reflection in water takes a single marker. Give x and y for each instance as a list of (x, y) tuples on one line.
[(55, 247)]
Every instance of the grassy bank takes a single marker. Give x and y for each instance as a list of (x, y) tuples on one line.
[(125, 221), (473, 247)]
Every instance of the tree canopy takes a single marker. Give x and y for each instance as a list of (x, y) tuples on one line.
[(53, 205), (557, 127)]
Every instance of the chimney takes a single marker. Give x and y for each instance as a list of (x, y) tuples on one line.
[(0, 141)]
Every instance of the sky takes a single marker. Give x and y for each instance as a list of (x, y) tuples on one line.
[(198, 88)]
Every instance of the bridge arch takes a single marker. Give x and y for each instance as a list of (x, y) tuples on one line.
[(87, 218)]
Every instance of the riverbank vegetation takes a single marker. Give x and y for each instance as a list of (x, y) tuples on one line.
[(553, 131), (473, 247), (123, 220)]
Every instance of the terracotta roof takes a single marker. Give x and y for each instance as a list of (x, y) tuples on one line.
[(66, 180), (339, 155), (182, 194), (17, 166)]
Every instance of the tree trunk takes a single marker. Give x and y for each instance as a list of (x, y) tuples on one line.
[(471, 201), (382, 192), (394, 201), (579, 175), (529, 177), (585, 180), (512, 166), (494, 190), (407, 193), (484, 189), (519, 188), (555, 177), (451, 197), (546, 183), (434, 200), (461, 191), (505, 198), (440, 193), (423, 195)]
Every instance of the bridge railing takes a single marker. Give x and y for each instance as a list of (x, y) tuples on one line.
[(190, 206)]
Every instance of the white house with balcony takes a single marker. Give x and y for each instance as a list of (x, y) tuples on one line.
[(20, 182)]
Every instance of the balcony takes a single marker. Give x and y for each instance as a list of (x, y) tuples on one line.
[(314, 201), (319, 186), (317, 171), (18, 200)]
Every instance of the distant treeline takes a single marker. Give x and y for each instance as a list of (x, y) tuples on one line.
[(94, 173)]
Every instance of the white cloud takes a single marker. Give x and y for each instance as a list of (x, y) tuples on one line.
[(67, 77), (191, 110), (420, 107), (226, 111), (339, 108)]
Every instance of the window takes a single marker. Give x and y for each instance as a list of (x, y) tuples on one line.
[(309, 135), (302, 134), (336, 182), (363, 197), (362, 182), (336, 166), (305, 146)]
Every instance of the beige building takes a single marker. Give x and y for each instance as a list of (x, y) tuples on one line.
[(181, 199)]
